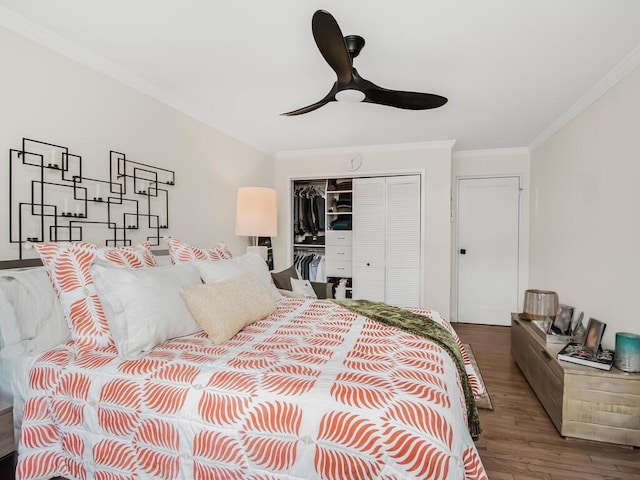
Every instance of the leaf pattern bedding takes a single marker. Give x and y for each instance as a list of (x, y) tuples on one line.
[(313, 391)]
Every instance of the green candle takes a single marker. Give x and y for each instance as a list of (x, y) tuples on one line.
[(627, 356)]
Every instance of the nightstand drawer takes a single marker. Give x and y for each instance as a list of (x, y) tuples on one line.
[(540, 369), (7, 443)]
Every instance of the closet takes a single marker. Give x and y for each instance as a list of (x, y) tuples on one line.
[(370, 235), (386, 239)]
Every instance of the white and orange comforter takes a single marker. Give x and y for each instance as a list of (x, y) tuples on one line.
[(314, 391)]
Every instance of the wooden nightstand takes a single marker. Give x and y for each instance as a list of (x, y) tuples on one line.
[(582, 402), (7, 444)]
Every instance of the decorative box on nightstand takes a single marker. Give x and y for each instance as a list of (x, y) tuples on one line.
[(7, 444), (550, 338)]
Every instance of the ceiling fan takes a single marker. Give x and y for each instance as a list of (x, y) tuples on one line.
[(339, 53)]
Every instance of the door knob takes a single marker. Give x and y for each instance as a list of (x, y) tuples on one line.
[(368, 264), (463, 251)]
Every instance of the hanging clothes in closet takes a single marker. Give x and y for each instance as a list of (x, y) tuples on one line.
[(308, 210), (310, 266)]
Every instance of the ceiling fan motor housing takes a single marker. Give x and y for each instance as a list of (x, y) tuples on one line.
[(354, 44)]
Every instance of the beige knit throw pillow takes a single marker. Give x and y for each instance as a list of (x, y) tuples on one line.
[(224, 308)]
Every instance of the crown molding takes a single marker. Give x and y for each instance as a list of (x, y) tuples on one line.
[(55, 42), (491, 152), (398, 147), (69, 49), (606, 83)]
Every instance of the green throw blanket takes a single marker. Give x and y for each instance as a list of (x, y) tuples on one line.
[(426, 328)]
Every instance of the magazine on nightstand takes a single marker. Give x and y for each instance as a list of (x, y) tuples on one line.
[(578, 353)]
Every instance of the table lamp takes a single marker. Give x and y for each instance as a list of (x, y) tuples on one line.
[(257, 215), (540, 304)]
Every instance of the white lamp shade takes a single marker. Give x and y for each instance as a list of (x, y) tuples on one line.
[(257, 212)]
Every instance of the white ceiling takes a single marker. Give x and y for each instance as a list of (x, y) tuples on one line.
[(509, 68)]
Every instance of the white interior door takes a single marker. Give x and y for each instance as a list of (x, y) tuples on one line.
[(403, 241), (369, 239), (488, 243)]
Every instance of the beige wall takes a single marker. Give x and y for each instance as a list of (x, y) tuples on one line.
[(46, 96), (585, 227), (492, 163), (434, 163)]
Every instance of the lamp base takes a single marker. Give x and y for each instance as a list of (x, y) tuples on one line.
[(260, 250)]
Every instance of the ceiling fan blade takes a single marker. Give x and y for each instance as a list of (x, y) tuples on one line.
[(406, 100), (331, 97), (330, 42), (307, 109)]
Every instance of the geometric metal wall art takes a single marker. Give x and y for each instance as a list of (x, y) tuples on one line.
[(51, 198)]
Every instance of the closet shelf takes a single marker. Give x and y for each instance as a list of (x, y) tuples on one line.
[(338, 191), (339, 213), (307, 245)]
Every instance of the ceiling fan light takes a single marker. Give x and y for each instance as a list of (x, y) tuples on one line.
[(350, 95)]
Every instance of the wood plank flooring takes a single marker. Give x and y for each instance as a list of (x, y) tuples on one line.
[(519, 442)]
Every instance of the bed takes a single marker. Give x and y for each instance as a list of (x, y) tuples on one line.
[(312, 391)]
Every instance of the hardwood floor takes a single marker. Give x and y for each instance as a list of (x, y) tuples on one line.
[(519, 442)]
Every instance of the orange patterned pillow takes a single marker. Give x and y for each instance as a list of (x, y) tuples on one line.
[(183, 252), (68, 266)]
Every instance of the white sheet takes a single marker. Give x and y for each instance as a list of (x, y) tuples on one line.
[(15, 363)]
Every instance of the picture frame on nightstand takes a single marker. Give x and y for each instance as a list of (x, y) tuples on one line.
[(562, 323), (577, 329), (593, 335)]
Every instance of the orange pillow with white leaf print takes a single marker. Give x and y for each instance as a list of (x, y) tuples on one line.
[(68, 266), (181, 252)]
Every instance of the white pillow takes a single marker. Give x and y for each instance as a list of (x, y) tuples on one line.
[(143, 305), (303, 287), (290, 293), (250, 262), (36, 307)]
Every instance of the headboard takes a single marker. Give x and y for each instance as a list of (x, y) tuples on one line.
[(35, 262)]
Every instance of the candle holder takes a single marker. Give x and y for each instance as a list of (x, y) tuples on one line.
[(627, 354), (121, 214)]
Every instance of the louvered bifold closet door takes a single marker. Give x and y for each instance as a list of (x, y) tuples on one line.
[(369, 238), (403, 241)]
